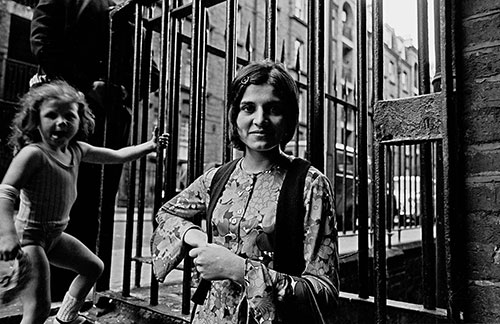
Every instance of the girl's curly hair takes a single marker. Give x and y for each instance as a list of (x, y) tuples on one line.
[(258, 73), (25, 124)]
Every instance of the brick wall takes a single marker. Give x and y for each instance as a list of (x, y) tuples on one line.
[(479, 50)]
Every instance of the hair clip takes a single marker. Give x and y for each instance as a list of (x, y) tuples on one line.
[(245, 80)]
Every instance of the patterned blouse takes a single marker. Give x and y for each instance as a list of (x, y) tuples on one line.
[(246, 209)]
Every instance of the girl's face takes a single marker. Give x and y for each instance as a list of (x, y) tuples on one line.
[(59, 122), (261, 123)]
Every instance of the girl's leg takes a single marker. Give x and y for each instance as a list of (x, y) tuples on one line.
[(36, 296), (69, 253)]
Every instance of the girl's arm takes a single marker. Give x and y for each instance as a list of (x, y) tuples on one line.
[(22, 167), (103, 155)]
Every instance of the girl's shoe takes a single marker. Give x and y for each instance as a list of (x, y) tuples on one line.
[(79, 320)]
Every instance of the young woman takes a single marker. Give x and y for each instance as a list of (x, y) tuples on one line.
[(274, 255), (54, 117)]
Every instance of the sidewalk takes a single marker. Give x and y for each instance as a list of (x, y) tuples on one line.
[(136, 308)]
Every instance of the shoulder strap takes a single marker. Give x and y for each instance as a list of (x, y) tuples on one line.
[(289, 229), (217, 185)]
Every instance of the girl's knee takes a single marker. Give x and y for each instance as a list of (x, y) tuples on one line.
[(95, 269)]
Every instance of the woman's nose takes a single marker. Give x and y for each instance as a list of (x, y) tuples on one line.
[(260, 116)]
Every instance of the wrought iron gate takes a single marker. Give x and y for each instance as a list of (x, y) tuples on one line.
[(429, 123)]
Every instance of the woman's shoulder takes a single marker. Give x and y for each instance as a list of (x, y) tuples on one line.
[(315, 177)]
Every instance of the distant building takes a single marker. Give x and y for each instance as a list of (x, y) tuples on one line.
[(17, 66)]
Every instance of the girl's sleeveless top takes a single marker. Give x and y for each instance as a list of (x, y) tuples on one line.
[(49, 195)]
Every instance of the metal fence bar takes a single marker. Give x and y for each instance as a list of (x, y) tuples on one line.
[(162, 114), (316, 91), (379, 177), (230, 68), (427, 213), (129, 227), (451, 210), (270, 34), (440, 230)]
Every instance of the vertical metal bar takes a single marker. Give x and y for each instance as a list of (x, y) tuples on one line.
[(144, 94), (400, 190), (335, 139), (379, 177), (440, 230), (161, 127), (388, 192), (412, 189), (270, 34), (378, 50), (129, 227), (200, 152), (330, 142), (316, 88), (196, 121), (436, 82), (423, 47), (173, 106), (104, 243), (344, 170), (427, 212), (426, 205), (451, 210), (355, 170), (172, 57), (230, 68), (379, 246)]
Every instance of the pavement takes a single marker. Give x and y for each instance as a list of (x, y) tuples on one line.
[(111, 307)]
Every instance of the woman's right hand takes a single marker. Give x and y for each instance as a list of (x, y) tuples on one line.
[(195, 238), (10, 247)]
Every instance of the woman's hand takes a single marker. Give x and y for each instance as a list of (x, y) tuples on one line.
[(9, 247), (215, 262), (195, 238)]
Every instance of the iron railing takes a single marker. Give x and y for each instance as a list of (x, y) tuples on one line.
[(407, 173)]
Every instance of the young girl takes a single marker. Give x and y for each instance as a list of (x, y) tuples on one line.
[(47, 133)]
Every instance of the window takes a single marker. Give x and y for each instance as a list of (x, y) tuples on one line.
[(415, 75), (392, 71), (302, 107), (298, 51), (404, 81), (347, 21), (300, 9)]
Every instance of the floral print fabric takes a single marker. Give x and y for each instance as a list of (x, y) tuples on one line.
[(243, 221)]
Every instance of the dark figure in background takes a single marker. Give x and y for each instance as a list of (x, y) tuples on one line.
[(70, 39)]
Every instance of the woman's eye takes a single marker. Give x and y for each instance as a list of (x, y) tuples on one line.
[(247, 108), (275, 110)]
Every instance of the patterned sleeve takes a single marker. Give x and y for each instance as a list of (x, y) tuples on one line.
[(272, 295), (174, 218)]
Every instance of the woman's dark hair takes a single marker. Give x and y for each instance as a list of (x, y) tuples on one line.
[(258, 73), (25, 124)]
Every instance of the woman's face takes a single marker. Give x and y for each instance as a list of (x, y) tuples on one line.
[(261, 122), (59, 122)]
